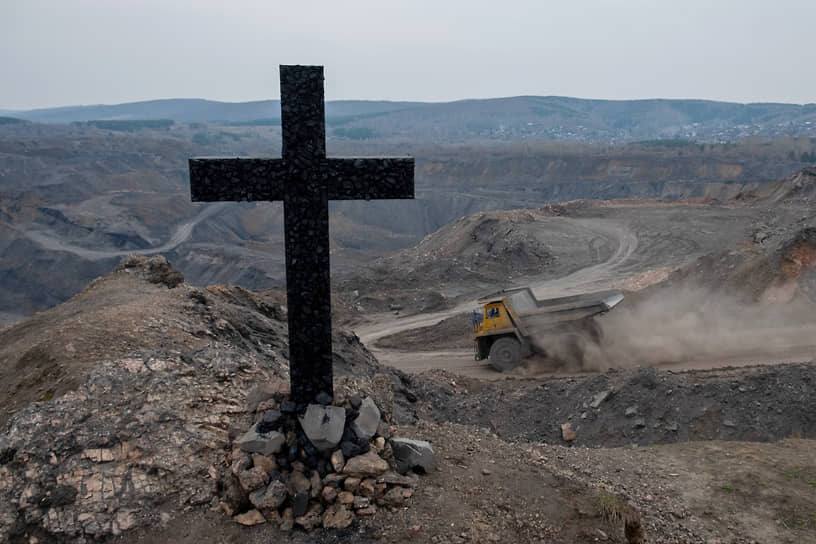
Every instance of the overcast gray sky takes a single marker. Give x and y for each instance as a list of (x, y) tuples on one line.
[(66, 52)]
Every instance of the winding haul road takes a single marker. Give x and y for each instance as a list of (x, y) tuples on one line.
[(180, 235)]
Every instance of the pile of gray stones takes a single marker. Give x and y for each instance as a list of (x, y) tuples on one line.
[(324, 466)]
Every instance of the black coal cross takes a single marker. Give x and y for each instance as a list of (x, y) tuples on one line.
[(305, 180)]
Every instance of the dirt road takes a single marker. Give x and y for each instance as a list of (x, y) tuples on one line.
[(181, 234)]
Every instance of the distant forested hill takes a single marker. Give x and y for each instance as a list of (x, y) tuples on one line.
[(522, 117), (195, 110)]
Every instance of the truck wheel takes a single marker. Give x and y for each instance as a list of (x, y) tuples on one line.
[(505, 354)]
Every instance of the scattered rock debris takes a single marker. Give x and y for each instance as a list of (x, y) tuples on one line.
[(322, 469)]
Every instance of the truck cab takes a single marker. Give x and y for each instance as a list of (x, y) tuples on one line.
[(493, 317), (492, 322)]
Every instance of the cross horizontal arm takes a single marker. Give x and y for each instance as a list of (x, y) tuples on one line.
[(371, 179), (219, 180)]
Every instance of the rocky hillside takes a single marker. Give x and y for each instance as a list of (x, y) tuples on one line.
[(800, 186), (127, 403), (144, 306), (779, 265), (473, 252), (144, 386)]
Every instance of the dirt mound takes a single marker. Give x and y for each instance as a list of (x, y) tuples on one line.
[(153, 269), (636, 406), (756, 272), (487, 246), (478, 250), (349, 306)]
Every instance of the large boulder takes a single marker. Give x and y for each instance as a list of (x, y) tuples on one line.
[(253, 478), (267, 444), (366, 423), (367, 465), (323, 425), (416, 455), (337, 516), (269, 497)]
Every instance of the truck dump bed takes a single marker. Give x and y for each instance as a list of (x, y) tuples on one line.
[(536, 313)]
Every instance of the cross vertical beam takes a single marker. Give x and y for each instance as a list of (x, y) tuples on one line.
[(306, 217)]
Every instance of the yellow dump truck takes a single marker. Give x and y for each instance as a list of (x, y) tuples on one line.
[(512, 324)]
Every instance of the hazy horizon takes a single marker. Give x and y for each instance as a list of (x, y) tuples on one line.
[(66, 106), (62, 53)]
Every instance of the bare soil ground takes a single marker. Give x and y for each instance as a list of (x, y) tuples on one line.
[(490, 490)]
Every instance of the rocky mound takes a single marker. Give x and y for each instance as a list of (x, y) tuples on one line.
[(141, 385), (142, 307), (487, 246), (155, 430), (322, 468), (799, 186), (760, 272), (636, 406), (151, 269)]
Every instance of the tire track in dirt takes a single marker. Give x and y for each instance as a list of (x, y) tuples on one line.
[(597, 276)]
